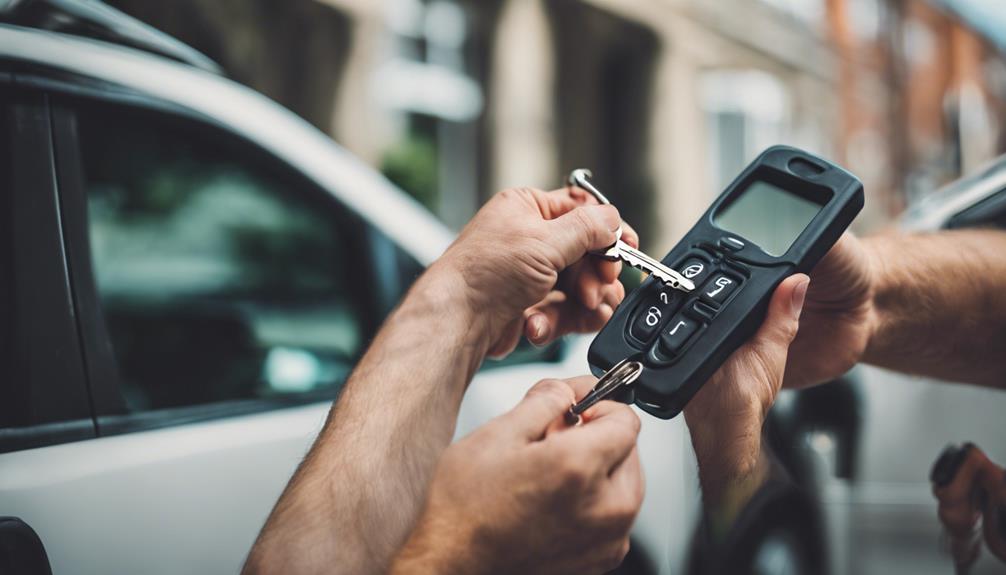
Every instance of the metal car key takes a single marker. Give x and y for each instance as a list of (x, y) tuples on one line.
[(615, 379), (623, 251)]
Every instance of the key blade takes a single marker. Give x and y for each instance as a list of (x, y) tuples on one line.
[(641, 261)]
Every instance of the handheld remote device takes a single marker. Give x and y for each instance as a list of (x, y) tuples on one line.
[(779, 217)]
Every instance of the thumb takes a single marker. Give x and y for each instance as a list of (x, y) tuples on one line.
[(583, 229), (783, 317), (544, 403)]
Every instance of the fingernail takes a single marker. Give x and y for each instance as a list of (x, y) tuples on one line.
[(799, 295), (537, 327)]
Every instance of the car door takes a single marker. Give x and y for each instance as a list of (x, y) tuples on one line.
[(43, 391), (219, 305)]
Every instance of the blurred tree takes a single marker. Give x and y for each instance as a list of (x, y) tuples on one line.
[(412, 165)]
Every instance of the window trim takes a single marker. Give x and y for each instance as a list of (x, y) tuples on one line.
[(110, 412), (47, 360)]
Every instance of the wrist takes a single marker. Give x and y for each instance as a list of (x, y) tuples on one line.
[(443, 294), (732, 467), (434, 552), (728, 451), (874, 250)]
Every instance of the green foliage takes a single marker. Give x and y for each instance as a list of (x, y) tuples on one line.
[(412, 165)]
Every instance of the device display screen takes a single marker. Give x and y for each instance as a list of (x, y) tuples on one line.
[(768, 215)]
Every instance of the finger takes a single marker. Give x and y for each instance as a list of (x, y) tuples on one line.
[(589, 285), (508, 340), (581, 386), (627, 479), (613, 294), (581, 230), (589, 279), (957, 506), (626, 490), (607, 271), (608, 434), (558, 315), (583, 197), (629, 235), (783, 317), (545, 402), (555, 203)]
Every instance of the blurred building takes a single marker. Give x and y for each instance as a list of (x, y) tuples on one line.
[(666, 100)]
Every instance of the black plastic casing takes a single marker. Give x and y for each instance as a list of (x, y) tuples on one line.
[(667, 384)]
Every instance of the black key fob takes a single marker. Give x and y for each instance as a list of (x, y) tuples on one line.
[(779, 217)]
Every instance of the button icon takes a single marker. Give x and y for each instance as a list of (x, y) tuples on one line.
[(650, 314), (693, 270), (719, 285), (719, 288), (677, 333)]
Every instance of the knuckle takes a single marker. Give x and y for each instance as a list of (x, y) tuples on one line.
[(511, 194), (574, 474), (616, 555), (787, 331), (631, 423), (553, 390), (621, 514), (587, 229)]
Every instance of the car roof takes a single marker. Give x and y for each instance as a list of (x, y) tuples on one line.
[(936, 209), (94, 19), (244, 112)]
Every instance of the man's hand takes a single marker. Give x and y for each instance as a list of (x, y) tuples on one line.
[(520, 265), (838, 317), (977, 491), (725, 417), (522, 261), (527, 494), (927, 304)]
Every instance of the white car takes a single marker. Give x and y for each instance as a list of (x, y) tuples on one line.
[(187, 273)]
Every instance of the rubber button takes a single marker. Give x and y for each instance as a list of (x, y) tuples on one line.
[(695, 270), (718, 289), (677, 332), (651, 313), (731, 243)]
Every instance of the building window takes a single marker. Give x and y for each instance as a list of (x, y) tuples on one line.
[(428, 85), (746, 112)]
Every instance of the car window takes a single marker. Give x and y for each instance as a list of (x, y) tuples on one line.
[(222, 275)]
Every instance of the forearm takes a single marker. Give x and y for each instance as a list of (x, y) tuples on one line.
[(938, 305), (354, 499), (732, 467)]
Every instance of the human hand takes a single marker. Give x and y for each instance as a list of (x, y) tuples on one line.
[(725, 417), (976, 491), (522, 261), (526, 493), (838, 316)]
